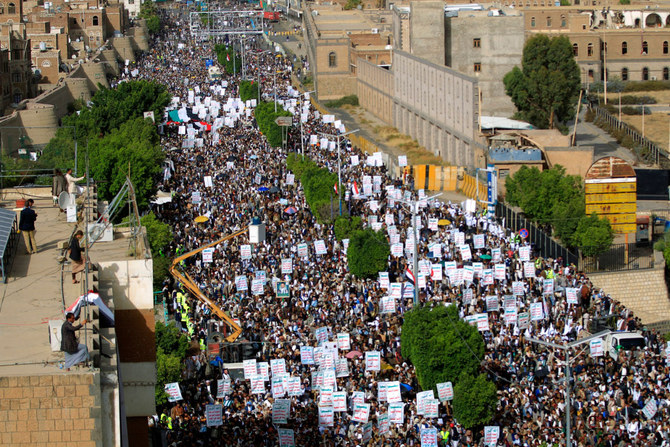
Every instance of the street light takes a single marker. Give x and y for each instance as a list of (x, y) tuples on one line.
[(339, 169), (414, 205), (302, 138), (566, 348)]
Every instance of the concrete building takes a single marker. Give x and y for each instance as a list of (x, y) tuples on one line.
[(433, 104), (486, 45), (335, 39), (631, 42)]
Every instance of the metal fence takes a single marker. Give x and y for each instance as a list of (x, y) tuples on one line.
[(654, 153), (544, 244), (620, 257)]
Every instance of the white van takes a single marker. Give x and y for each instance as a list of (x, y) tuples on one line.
[(627, 340)]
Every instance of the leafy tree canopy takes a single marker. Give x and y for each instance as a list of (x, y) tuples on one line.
[(368, 253), (593, 235), (475, 400), (546, 87), (440, 345), (149, 12)]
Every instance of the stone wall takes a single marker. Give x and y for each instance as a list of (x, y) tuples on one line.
[(375, 90), (643, 291), (50, 410)]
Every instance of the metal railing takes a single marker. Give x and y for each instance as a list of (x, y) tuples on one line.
[(543, 244), (617, 258), (656, 154)]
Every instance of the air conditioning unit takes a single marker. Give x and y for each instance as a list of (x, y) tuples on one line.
[(653, 78), (375, 30)]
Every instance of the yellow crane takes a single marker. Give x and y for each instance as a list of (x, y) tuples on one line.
[(186, 280)]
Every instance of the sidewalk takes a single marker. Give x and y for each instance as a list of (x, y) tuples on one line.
[(604, 145)]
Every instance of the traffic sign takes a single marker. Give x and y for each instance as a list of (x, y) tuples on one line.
[(284, 121), (523, 233)]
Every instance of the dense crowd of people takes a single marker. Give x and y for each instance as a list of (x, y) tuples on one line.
[(230, 175)]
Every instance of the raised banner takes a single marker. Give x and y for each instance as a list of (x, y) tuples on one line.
[(214, 415)]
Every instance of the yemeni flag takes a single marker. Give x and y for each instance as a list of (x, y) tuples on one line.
[(228, 57), (335, 188), (410, 275), (355, 188)]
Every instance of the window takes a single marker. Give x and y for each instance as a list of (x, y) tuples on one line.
[(17, 97), (589, 49), (332, 59), (645, 74), (532, 22), (666, 74), (2, 8), (11, 8), (665, 47), (645, 47), (95, 20), (477, 42), (16, 77), (478, 67), (548, 22), (624, 74), (575, 49), (564, 22), (503, 173), (624, 47)]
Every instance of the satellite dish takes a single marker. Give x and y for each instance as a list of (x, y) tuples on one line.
[(65, 200)]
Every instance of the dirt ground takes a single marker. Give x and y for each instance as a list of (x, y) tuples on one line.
[(391, 137), (656, 125)]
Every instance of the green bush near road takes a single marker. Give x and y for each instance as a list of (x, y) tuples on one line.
[(265, 118), (317, 183), (351, 100)]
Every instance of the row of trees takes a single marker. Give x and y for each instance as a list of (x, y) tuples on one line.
[(556, 200), (317, 183)]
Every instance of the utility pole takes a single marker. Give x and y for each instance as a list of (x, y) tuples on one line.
[(414, 206), (302, 138), (568, 374), (339, 165)]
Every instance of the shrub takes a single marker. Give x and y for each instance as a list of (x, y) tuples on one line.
[(265, 118), (351, 100), (646, 86), (249, 90), (475, 400), (368, 253), (635, 100)]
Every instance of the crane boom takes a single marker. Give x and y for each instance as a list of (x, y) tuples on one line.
[(186, 280)]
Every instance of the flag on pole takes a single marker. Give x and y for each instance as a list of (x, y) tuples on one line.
[(355, 188), (228, 57), (335, 188), (410, 275)]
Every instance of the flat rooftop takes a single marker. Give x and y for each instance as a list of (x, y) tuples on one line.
[(33, 294)]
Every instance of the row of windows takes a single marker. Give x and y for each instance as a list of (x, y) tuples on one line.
[(564, 22), (645, 74), (624, 48), (11, 8)]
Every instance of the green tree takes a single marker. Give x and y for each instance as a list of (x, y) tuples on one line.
[(440, 345), (265, 118), (550, 198), (249, 90), (133, 147), (227, 58), (149, 13), (171, 346), (593, 235), (368, 253), (663, 245), (475, 400), (159, 233), (345, 226), (546, 87)]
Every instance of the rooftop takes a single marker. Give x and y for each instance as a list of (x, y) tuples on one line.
[(33, 295)]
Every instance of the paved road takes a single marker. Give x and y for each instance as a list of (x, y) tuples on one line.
[(604, 144)]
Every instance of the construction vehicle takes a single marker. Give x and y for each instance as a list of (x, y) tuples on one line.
[(187, 282)]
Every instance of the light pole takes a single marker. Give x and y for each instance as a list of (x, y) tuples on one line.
[(414, 205), (339, 167), (566, 349), (302, 138)]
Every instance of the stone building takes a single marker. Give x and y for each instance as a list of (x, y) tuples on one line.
[(335, 39)]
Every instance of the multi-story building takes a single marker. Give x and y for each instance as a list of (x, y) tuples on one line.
[(631, 44), (335, 39)]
